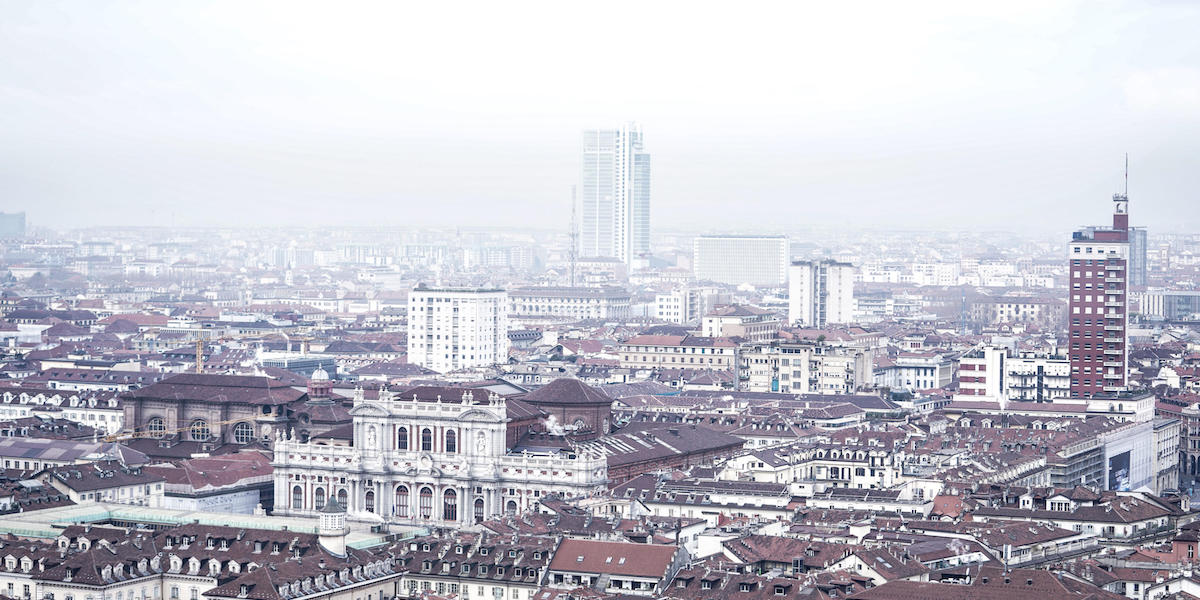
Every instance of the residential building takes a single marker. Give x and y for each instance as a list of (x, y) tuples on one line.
[(1099, 265), (678, 351), (741, 259), (457, 328), (687, 305), (803, 368), (573, 303), (820, 293), (746, 322), (991, 371), (914, 371), (614, 188)]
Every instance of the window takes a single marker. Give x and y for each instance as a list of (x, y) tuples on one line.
[(402, 438), (200, 431), (451, 442), (341, 498), (369, 501), (319, 498), (426, 502), (297, 497), (243, 433), (401, 507), (155, 427), (450, 505), (426, 440), (479, 510)]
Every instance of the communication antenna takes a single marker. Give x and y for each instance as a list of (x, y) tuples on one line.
[(1126, 174), (573, 236)]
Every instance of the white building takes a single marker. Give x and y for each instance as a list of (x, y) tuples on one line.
[(438, 458), (740, 259), (991, 372), (575, 303), (450, 329), (614, 187), (820, 293), (687, 305)]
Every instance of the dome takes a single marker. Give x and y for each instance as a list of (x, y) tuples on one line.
[(320, 375)]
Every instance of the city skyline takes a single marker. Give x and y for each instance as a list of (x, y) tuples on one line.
[(303, 116)]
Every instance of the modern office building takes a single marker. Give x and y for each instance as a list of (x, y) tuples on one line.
[(614, 186), (820, 293), (1099, 282), (738, 259), (457, 328)]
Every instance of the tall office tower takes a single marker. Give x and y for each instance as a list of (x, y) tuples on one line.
[(737, 259), (614, 186), (12, 225), (457, 328), (820, 293), (1099, 266)]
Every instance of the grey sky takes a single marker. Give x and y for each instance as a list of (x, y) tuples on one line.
[(945, 115)]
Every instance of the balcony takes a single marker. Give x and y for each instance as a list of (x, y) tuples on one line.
[(1113, 328), (1113, 363), (1114, 351), (1114, 388), (1113, 340), (1112, 376), (1114, 304), (1114, 267)]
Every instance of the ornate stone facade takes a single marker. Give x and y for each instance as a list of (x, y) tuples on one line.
[(443, 462)]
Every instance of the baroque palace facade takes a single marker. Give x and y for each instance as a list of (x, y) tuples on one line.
[(440, 457)]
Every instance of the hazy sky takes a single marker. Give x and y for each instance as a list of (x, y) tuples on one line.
[(948, 114)]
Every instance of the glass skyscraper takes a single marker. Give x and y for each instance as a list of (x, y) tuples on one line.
[(614, 181)]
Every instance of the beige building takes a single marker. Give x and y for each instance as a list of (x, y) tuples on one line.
[(678, 352), (747, 322)]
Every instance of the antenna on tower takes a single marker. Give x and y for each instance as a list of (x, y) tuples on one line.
[(1126, 174), (573, 235)]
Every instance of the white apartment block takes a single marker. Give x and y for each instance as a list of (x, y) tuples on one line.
[(451, 328), (913, 371), (803, 368), (820, 293), (687, 305), (991, 372), (741, 259)]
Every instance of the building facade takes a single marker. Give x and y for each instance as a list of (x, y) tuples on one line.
[(803, 368), (575, 303), (1099, 265), (820, 293), (614, 187), (741, 259), (457, 328), (443, 461)]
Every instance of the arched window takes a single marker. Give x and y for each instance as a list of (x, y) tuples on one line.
[(426, 440), (200, 431), (297, 497), (451, 442), (402, 438), (155, 427), (319, 498), (342, 499), (369, 501), (479, 510), (401, 506), (243, 433), (426, 498), (510, 508), (450, 505)]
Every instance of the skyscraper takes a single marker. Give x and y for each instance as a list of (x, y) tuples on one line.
[(820, 293), (1099, 280), (614, 185)]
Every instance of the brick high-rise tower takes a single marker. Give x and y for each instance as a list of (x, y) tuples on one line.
[(1099, 263)]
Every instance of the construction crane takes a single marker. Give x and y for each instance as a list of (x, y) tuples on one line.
[(134, 435)]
